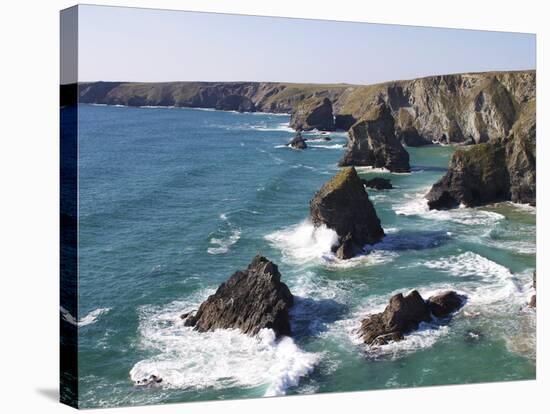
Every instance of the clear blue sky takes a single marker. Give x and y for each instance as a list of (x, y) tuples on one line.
[(127, 44)]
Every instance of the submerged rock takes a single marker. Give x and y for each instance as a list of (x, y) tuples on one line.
[(378, 183), (313, 113), (443, 304), (249, 300), (404, 314), (372, 142), (149, 381), (342, 204), (297, 142)]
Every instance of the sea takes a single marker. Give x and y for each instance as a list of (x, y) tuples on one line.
[(173, 201)]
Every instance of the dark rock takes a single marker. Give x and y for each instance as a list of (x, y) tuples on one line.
[(347, 248), (249, 300), (343, 205), (402, 315), (372, 142), (344, 122), (151, 380), (187, 314), (406, 130), (476, 176), (378, 183), (498, 170), (235, 103), (411, 138), (313, 113), (298, 142), (444, 304)]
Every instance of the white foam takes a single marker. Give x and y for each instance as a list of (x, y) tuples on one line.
[(304, 241), (327, 146), (524, 207), (283, 126), (89, 319), (221, 245), (188, 359), (496, 285), (416, 204), (365, 169)]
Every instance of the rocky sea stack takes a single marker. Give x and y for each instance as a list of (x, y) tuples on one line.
[(298, 142), (504, 166), (372, 142), (313, 113), (249, 300), (342, 204), (404, 314)]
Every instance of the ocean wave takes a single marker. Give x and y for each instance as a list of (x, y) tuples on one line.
[(496, 289), (304, 241), (89, 319), (228, 236), (221, 359), (278, 128), (368, 169), (416, 204), (327, 146)]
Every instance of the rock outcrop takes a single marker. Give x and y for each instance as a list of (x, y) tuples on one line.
[(343, 205), (249, 300), (446, 303), (378, 183), (476, 176), (468, 107), (404, 314), (498, 170), (298, 142), (372, 142), (313, 113)]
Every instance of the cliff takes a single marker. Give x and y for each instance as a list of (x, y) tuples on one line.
[(496, 108), (460, 108)]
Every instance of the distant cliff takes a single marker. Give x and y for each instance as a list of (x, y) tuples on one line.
[(496, 109), (459, 108)]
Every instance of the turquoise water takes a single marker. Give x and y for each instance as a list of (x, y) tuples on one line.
[(173, 201)]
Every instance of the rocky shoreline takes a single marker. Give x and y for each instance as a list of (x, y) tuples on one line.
[(494, 112), (491, 116)]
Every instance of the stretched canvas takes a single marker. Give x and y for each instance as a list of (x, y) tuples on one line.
[(263, 206)]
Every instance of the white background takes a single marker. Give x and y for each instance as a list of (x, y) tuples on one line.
[(29, 68)]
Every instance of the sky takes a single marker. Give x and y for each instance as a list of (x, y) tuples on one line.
[(147, 45)]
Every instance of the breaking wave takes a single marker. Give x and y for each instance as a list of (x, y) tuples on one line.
[(89, 319), (226, 237), (225, 358)]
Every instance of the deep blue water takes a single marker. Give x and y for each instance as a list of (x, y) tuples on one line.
[(173, 201)]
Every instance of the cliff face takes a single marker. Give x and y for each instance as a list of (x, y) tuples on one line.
[(497, 108), (504, 168), (469, 108), (372, 142), (313, 113), (244, 96)]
